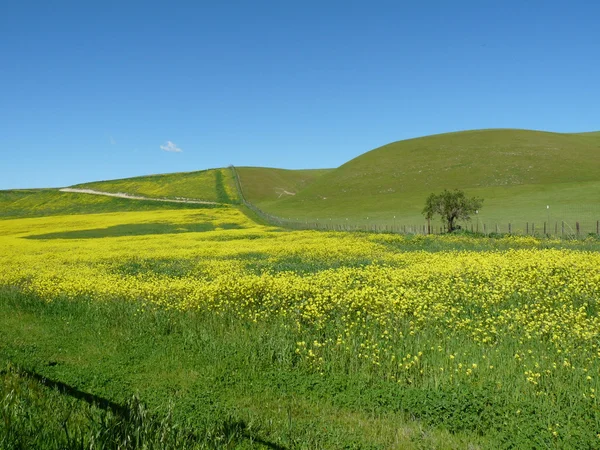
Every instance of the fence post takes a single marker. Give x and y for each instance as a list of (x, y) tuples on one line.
[(509, 228), (484, 229), (598, 227), (545, 229), (496, 228), (526, 227), (562, 231), (577, 226), (555, 228)]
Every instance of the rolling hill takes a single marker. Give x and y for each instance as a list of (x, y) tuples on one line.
[(524, 177), (518, 173), (262, 185)]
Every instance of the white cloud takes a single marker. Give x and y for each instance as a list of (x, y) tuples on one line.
[(170, 147)]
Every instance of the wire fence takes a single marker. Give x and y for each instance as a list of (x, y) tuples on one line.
[(568, 229)]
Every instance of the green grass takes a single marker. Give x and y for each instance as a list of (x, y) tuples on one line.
[(214, 185), (224, 380), (263, 185), (43, 414), (517, 172), (47, 202)]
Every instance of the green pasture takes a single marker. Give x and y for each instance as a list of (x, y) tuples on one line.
[(263, 185), (517, 172)]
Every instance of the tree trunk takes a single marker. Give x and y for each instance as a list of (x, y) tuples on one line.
[(451, 225)]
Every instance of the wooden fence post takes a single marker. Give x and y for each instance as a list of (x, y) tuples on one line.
[(545, 229), (562, 230), (577, 226), (509, 228)]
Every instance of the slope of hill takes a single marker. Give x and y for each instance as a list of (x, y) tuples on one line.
[(264, 185), (518, 173), (52, 202), (215, 185), (523, 176)]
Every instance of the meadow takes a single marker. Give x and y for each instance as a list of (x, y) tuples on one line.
[(231, 333)]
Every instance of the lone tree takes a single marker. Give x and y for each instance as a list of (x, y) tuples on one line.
[(451, 205)]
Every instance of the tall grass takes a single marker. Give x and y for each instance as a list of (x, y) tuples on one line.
[(205, 381), (212, 365)]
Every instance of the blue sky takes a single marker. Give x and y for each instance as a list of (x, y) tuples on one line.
[(93, 90)]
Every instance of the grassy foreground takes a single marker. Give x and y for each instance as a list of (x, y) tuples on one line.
[(246, 335), (212, 382)]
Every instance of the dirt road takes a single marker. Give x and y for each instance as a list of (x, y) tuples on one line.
[(137, 197)]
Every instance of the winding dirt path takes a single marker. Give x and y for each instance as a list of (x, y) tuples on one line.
[(136, 197)]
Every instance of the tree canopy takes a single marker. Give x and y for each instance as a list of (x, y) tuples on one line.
[(451, 206)]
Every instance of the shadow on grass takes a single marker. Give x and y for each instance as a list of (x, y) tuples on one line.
[(138, 229), (230, 429)]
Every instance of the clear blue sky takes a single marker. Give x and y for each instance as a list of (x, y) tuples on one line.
[(92, 90)]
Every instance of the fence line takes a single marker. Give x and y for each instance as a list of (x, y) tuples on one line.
[(558, 228)]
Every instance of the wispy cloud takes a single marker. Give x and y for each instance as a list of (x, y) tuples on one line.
[(170, 147)]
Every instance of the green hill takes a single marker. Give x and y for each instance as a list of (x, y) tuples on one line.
[(263, 185), (215, 185), (524, 177), (518, 173), (51, 202)]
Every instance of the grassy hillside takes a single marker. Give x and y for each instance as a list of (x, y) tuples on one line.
[(524, 177), (214, 185), (263, 185), (517, 172), (52, 202)]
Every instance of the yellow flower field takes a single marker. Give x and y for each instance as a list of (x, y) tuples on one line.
[(423, 311), (375, 294)]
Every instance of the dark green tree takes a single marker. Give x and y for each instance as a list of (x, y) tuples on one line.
[(451, 206)]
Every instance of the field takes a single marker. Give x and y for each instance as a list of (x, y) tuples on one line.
[(234, 334)]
